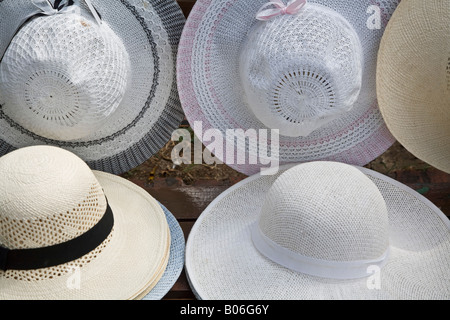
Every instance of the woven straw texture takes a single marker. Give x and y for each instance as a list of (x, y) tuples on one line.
[(57, 92), (51, 196), (222, 263), (149, 108), (413, 79), (301, 71), (176, 259), (211, 91), (312, 210)]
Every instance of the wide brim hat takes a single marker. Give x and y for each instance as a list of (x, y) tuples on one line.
[(127, 264), (149, 110), (212, 94), (223, 262), (176, 259), (413, 79)]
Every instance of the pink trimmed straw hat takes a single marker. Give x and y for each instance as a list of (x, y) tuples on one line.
[(305, 68)]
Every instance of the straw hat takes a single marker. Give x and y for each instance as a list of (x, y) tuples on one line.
[(320, 230), (413, 79), (67, 232), (307, 69), (95, 78)]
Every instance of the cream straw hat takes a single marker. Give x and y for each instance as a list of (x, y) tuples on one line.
[(95, 78), (413, 79), (67, 232), (320, 230), (307, 69)]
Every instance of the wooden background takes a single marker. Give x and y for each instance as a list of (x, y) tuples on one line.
[(187, 202)]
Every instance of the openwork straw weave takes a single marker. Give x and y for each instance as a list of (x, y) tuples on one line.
[(149, 108), (55, 91), (211, 90), (302, 71)]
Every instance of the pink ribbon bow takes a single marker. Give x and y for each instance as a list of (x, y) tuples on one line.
[(293, 7)]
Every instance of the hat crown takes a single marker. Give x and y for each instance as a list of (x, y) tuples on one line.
[(47, 196), (327, 211), (63, 75), (300, 72)]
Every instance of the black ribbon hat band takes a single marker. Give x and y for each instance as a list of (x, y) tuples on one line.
[(31, 259)]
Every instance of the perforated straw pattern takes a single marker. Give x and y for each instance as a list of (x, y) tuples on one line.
[(222, 263), (313, 210), (56, 271), (33, 217), (28, 231), (301, 71), (63, 76)]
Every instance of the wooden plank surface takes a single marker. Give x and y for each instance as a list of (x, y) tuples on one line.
[(187, 202)]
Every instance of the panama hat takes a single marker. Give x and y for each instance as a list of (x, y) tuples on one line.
[(67, 232), (413, 79), (176, 259), (320, 230), (306, 69), (95, 78)]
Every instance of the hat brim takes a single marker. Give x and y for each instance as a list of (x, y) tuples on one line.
[(222, 263), (128, 264), (211, 92), (150, 110), (176, 259)]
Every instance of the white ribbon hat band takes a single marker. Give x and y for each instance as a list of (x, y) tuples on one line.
[(312, 266)]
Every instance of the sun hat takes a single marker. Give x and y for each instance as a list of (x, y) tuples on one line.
[(176, 259), (67, 232), (320, 230), (306, 69), (413, 79), (95, 78)]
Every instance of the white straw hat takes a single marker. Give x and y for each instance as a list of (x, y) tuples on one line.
[(95, 78), (320, 230), (67, 232), (413, 79), (307, 70)]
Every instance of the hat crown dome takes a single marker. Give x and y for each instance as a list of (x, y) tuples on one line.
[(63, 75), (47, 196), (328, 211), (299, 72)]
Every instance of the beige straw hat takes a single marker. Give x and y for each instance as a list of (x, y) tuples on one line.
[(413, 79), (320, 230), (67, 232)]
